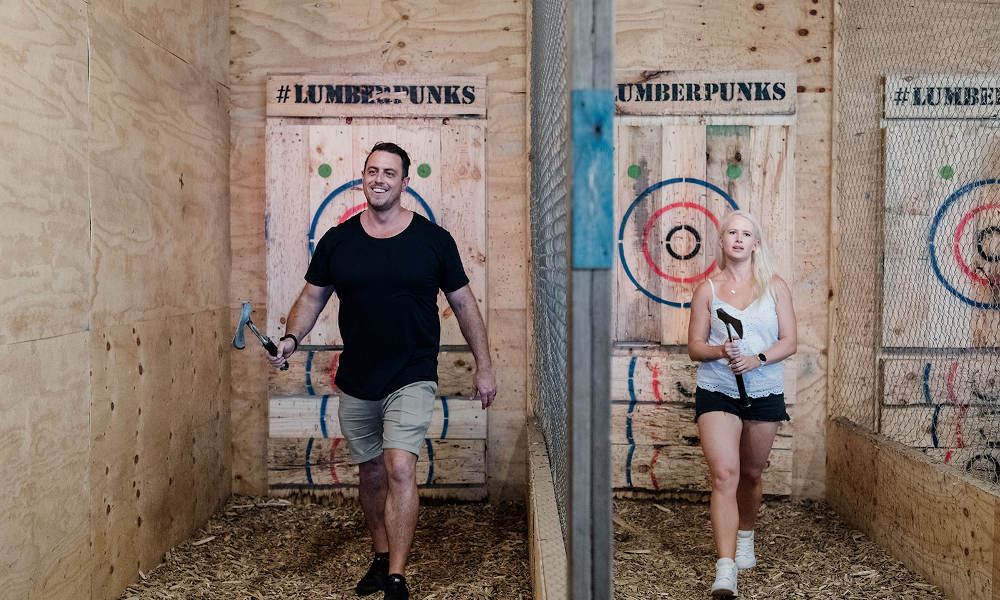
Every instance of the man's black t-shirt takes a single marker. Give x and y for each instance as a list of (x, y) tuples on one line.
[(388, 301)]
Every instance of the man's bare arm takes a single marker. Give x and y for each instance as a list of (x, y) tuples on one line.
[(301, 319), (470, 321)]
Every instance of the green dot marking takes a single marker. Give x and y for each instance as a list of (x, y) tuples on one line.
[(947, 172), (633, 171), (733, 171), (424, 170), (324, 170)]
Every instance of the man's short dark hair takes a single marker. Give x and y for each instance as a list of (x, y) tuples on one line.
[(390, 147)]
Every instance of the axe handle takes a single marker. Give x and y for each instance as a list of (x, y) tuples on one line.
[(273, 351), (739, 378)]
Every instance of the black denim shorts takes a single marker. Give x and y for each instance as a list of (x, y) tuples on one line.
[(767, 408)]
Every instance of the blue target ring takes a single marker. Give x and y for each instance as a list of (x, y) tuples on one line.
[(628, 213), (965, 189), (344, 188)]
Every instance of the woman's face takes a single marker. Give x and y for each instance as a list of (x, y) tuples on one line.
[(738, 239)]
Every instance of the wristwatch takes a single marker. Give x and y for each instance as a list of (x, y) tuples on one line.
[(762, 359)]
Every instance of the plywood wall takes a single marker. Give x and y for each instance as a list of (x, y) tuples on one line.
[(479, 38), (114, 313), (792, 35)]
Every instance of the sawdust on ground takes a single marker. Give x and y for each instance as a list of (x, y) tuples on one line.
[(260, 548), (267, 549), (664, 549)]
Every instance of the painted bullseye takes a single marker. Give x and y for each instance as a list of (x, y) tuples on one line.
[(645, 242), (719, 197), (954, 244), (958, 236), (993, 230), (697, 242)]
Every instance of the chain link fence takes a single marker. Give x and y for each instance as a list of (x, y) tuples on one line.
[(550, 198), (917, 182)]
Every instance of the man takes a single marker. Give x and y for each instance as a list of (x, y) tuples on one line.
[(387, 264)]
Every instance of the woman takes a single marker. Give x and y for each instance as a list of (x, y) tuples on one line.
[(737, 439)]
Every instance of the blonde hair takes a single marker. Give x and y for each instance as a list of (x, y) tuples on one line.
[(761, 262)]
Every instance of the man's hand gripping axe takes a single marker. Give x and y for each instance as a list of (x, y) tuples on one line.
[(736, 324), (239, 343)]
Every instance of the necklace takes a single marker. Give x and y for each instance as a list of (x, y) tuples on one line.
[(732, 291)]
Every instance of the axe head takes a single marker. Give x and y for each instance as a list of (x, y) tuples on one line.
[(729, 319), (238, 341)]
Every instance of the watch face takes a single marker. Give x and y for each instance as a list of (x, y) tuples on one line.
[(762, 358)]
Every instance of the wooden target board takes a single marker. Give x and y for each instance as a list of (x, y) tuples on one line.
[(679, 169), (941, 280), (320, 130)]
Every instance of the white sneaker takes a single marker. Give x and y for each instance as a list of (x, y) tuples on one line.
[(725, 578), (745, 558)]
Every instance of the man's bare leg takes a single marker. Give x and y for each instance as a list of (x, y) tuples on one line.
[(401, 504), (372, 490)]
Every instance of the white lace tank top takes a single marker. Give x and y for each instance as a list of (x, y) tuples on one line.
[(760, 332)]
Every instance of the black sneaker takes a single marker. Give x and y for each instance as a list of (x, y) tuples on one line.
[(395, 588), (374, 579)]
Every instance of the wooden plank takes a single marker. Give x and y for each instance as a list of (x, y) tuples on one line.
[(669, 92), (638, 166), (942, 426), (655, 375), (682, 468), (545, 539), (286, 219), (305, 463), (685, 259), (652, 376), (667, 424), (316, 416), (376, 95), (462, 210), (332, 200), (969, 381), (311, 372), (938, 522)]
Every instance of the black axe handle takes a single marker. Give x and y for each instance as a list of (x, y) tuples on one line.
[(739, 379), (273, 351)]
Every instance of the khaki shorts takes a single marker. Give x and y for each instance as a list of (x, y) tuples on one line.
[(399, 420)]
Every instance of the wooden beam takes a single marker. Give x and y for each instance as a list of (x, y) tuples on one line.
[(311, 372), (545, 539), (323, 463), (316, 416), (682, 468)]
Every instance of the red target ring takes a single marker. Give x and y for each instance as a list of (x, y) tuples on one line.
[(645, 242), (957, 250)]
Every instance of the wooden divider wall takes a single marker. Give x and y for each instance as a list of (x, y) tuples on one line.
[(115, 430)]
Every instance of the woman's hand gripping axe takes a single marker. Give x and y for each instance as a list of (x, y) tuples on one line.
[(239, 343), (728, 319)]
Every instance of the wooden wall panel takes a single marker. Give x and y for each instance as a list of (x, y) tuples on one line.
[(939, 522), (197, 32), (484, 38), (45, 443), (43, 186), (159, 431), (779, 35), (160, 158)]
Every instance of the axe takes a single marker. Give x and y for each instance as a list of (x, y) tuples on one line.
[(737, 325), (239, 343)]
